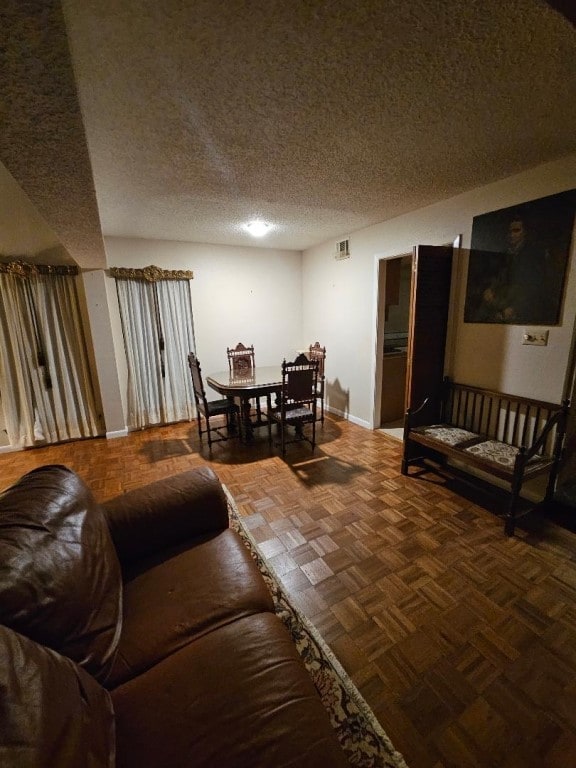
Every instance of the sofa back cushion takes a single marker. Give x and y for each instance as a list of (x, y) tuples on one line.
[(52, 713), (60, 581)]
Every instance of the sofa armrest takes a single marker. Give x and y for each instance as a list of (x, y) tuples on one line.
[(166, 513)]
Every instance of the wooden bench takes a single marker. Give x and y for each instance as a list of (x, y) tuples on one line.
[(509, 437)]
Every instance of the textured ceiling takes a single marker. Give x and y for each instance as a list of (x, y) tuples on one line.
[(42, 141), (321, 117)]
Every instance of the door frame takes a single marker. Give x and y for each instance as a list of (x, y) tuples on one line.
[(379, 299)]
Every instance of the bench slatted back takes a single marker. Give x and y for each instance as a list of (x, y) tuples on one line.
[(508, 418)]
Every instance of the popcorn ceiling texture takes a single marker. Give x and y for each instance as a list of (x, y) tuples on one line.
[(42, 141), (322, 117)]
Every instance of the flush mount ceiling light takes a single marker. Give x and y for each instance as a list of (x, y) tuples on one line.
[(258, 228)]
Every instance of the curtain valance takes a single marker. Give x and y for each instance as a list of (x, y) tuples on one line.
[(25, 269), (151, 274)]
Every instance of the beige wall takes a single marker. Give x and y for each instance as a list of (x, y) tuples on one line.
[(23, 231), (253, 295), (340, 299)]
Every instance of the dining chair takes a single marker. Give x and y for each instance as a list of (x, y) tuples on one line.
[(298, 398), (241, 360), (210, 408), (316, 352), (242, 364)]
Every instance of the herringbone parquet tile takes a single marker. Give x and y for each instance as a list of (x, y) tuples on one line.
[(462, 641)]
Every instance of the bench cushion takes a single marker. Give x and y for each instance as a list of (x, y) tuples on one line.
[(502, 454), (494, 451), (446, 434)]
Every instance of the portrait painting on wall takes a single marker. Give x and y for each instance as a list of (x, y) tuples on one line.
[(518, 262)]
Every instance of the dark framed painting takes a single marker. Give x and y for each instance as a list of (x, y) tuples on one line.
[(518, 262)]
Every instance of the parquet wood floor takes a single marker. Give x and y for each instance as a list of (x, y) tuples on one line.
[(462, 641)]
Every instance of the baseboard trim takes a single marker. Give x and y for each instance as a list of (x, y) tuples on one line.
[(349, 417), (117, 433), (10, 448)]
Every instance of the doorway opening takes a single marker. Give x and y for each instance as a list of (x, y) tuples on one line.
[(395, 349), (413, 309), (394, 278)]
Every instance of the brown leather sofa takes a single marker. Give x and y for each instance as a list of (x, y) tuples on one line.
[(140, 633)]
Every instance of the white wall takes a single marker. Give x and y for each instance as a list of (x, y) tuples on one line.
[(253, 295), (339, 299)]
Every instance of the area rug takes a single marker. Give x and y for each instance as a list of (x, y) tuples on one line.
[(361, 736)]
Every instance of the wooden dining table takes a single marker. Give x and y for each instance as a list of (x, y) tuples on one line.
[(265, 381)]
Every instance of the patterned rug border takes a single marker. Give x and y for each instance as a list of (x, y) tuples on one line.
[(362, 737)]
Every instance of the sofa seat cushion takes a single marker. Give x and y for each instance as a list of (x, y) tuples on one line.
[(502, 454), (60, 580), (238, 696), (185, 594), (52, 713)]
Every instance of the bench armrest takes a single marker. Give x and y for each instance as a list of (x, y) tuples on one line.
[(559, 419), (415, 411), (166, 513)]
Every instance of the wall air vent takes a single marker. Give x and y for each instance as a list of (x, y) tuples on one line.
[(343, 249)]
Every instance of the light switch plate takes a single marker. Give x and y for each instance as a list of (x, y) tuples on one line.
[(535, 336)]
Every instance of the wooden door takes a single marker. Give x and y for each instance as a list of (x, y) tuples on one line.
[(429, 304)]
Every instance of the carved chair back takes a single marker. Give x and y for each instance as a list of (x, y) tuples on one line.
[(316, 352), (241, 361)]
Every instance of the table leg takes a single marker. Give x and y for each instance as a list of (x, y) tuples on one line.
[(246, 422), (231, 420)]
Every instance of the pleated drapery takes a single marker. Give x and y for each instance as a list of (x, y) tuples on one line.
[(158, 336), (45, 380)]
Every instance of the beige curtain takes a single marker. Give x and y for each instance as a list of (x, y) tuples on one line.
[(158, 336), (47, 391)]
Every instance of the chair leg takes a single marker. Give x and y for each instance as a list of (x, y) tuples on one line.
[(232, 424), (209, 430), (246, 423), (313, 434)]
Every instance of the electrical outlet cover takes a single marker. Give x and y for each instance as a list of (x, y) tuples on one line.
[(535, 336)]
